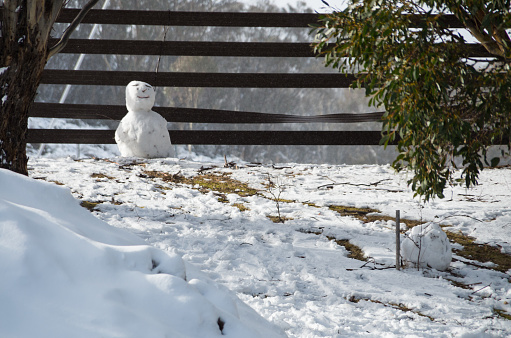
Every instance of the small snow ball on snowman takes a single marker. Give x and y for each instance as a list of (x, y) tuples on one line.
[(142, 132), (427, 245)]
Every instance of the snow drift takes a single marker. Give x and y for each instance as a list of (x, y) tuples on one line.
[(64, 273)]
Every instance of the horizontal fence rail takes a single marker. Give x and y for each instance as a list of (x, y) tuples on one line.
[(188, 48), (207, 48), (219, 19), (194, 115), (190, 79), (214, 137)]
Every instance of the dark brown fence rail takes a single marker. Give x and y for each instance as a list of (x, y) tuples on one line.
[(195, 115), (220, 19), (207, 48), (215, 137), (187, 79)]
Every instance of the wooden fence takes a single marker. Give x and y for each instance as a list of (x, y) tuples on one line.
[(187, 79)]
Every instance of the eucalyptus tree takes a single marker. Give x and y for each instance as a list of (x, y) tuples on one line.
[(444, 107), (24, 50)]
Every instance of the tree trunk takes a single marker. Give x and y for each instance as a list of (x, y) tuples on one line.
[(25, 28), (22, 79)]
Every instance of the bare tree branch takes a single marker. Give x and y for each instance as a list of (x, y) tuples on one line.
[(493, 43), (69, 30)]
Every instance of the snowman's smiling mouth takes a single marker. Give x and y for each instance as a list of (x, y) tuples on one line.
[(143, 97)]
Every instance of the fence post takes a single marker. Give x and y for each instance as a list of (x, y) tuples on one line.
[(398, 240)]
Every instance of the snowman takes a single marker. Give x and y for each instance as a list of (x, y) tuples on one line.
[(427, 245), (142, 132)]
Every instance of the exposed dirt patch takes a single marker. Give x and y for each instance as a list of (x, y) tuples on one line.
[(279, 219), (101, 176), (91, 206), (480, 252)]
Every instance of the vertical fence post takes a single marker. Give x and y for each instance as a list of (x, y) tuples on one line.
[(398, 240)]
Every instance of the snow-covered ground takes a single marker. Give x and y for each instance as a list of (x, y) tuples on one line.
[(294, 273), (64, 273)]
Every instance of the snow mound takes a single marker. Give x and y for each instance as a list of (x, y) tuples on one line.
[(65, 273), (427, 245)]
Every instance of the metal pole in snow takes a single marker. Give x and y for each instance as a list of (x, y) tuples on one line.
[(398, 240)]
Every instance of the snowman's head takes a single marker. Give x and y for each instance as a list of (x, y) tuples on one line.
[(139, 96)]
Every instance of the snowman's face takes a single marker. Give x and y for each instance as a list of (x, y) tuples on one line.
[(139, 96)]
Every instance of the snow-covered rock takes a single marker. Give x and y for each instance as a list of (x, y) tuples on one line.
[(142, 132), (427, 245), (65, 273)]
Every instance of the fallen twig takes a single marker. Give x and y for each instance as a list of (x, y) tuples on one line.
[(484, 287), (374, 184)]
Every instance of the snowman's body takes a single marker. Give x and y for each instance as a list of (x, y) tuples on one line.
[(142, 132)]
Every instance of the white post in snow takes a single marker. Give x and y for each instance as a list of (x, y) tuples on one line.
[(398, 240)]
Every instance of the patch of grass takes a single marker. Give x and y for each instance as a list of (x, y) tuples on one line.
[(57, 182), (100, 176), (459, 284), (355, 251), (242, 207), (502, 314), (359, 213), (221, 198), (223, 184), (280, 200), (91, 206), (480, 252), (362, 214), (166, 177), (162, 187), (279, 219)]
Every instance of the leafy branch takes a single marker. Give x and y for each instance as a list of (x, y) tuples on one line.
[(442, 108)]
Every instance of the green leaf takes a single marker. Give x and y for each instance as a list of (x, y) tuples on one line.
[(494, 161)]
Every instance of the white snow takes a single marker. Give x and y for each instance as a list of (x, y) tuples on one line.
[(142, 132), (427, 245), (64, 273), (292, 274)]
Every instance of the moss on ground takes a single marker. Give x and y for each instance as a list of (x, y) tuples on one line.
[(355, 251), (223, 184), (91, 206), (480, 252), (279, 219), (242, 207), (100, 176), (368, 215), (502, 314)]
